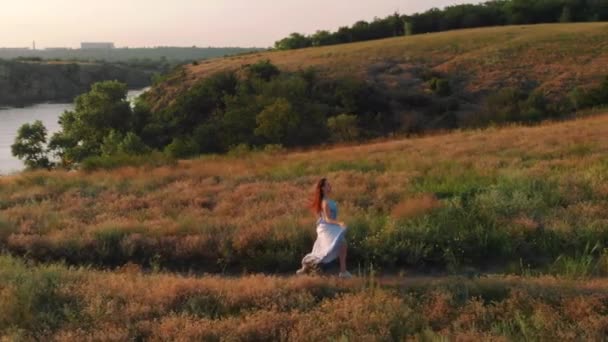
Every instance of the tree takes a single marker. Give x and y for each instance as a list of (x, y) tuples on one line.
[(277, 121), (321, 38), (96, 114), (409, 28), (182, 147), (395, 24), (109, 146), (29, 145), (360, 30), (264, 70), (566, 16), (129, 144), (294, 41), (344, 35), (343, 127)]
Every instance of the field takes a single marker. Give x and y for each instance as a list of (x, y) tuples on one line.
[(554, 58), (81, 304), (497, 197), (122, 254)]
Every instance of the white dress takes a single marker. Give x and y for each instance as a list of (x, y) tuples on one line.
[(330, 238)]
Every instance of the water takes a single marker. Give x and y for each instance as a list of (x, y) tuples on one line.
[(12, 118)]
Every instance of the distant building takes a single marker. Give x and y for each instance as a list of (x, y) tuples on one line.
[(102, 45), (56, 49)]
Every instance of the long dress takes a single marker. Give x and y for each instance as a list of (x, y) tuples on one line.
[(330, 238)]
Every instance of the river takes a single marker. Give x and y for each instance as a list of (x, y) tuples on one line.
[(12, 118)]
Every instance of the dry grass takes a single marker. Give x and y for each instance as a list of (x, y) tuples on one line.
[(413, 207), (249, 212), (56, 303), (556, 57)]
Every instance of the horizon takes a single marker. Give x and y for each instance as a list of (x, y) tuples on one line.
[(187, 23)]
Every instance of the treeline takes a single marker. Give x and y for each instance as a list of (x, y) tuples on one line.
[(28, 81), (491, 13), (171, 54), (263, 107)]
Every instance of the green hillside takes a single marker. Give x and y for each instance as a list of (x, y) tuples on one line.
[(553, 58)]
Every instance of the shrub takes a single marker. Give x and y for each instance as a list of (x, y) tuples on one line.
[(264, 70), (182, 147), (274, 149), (277, 121), (129, 144), (515, 105), (440, 86), (240, 150), (343, 127), (32, 300), (581, 98)]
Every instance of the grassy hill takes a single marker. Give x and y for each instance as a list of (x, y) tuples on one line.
[(554, 58), (479, 234), (524, 200), (495, 199)]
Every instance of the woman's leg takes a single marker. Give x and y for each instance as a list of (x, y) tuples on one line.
[(342, 257)]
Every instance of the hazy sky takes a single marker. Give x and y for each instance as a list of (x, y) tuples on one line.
[(137, 23)]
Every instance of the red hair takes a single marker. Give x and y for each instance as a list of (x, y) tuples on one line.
[(317, 201)]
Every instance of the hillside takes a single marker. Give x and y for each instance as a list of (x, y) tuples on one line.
[(66, 304), (554, 58), (477, 199), (522, 201)]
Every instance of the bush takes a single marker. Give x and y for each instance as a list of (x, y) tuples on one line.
[(239, 150), (440, 86), (515, 105), (595, 97), (130, 144), (343, 127), (264, 70), (32, 300), (274, 149), (278, 121), (182, 148)]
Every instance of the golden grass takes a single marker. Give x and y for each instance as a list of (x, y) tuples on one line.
[(418, 205), (218, 212), (556, 56), (56, 303)]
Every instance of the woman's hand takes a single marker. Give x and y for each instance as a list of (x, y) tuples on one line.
[(342, 224)]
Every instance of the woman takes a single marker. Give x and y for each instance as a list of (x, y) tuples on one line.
[(330, 233)]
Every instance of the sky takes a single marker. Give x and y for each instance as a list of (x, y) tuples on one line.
[(148, 23)]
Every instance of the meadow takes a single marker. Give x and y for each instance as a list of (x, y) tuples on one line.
[(54, 302), (501, 199), (493, 234)]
